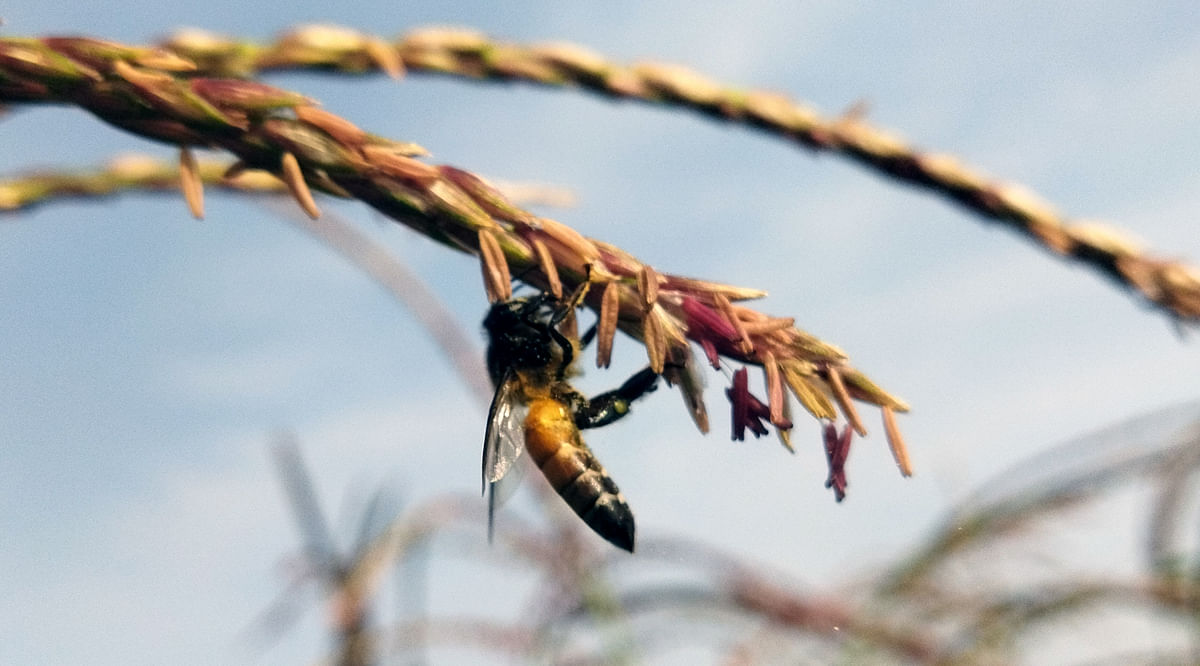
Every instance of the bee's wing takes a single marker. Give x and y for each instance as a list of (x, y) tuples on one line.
[(503, 444), (505, 439)]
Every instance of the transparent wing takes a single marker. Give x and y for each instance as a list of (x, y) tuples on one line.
[(503, 445), (505, 439)]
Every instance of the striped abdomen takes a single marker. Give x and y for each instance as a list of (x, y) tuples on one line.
[(554, 443)]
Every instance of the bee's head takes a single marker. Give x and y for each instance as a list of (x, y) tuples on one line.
[(520, 335), (514, 314)]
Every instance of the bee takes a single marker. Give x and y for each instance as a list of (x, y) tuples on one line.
[(536, 410)]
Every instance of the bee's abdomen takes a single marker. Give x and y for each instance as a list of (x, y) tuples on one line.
[(554, 443)]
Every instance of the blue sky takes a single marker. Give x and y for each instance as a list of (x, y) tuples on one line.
[(147, 358)]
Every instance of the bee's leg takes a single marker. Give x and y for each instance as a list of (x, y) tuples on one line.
[(568, 307), (608, 407), (588, 336), (568, 351), (574, 300)]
